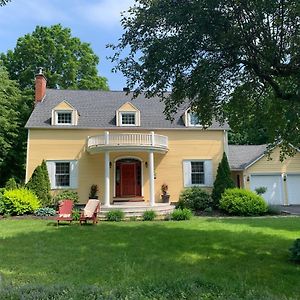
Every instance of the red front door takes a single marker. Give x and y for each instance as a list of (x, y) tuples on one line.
[(128, 178)]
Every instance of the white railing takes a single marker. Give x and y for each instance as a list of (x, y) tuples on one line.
[(128, 139)]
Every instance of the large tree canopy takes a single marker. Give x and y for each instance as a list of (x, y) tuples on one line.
[(67, 62), (229, 58), (3, 2)]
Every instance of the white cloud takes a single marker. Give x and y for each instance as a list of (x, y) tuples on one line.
[(105, 13)]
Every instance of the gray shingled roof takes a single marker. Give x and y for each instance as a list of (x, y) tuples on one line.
[(97, 109), (240, 156)]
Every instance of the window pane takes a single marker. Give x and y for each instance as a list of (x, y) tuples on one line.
[(197, 172), (62, 174), (64, 118), (128, 119), (194, 119)]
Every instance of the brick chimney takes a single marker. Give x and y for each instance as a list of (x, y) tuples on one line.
[(40, 86)]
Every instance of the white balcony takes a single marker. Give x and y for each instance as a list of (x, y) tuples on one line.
[(128, 142)]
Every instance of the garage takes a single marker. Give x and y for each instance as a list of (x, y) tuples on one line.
[(273, 183), (293, 188)]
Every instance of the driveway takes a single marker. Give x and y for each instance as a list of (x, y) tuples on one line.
[(291, 209)]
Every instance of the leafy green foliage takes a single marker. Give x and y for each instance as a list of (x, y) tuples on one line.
[(67, 62), (181, 214), (223, 180), (115, 215), (93, 191), (19, 202), (76, 214), (273, 210), (11, 184), (242, 202), (4, 2), (260, 190), (45, 212), (229, 59), (149, 215), (295, 251), (194, 198), (65, 194), (39, 183)]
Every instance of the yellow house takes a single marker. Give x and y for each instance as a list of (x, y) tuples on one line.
[(252, 167), (125, 146)]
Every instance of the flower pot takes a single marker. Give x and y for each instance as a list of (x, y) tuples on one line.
[(165, 198)]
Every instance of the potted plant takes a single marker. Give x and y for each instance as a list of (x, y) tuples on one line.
[(93, 192), (165, 195)]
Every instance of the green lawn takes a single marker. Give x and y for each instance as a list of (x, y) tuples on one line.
[(205, 258)]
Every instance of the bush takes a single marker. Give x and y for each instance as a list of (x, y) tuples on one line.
[(65, 194), (11, 184), (181, 214), (115, 215), (295, 251), (19, 202), (194, 198), (242, 202), (39, 183), (149, 215), (223, 181), (273, 210), (45, 212), (260, 190), (76, 214)]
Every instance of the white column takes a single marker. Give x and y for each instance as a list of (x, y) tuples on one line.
[(151, 178), (107, 184)]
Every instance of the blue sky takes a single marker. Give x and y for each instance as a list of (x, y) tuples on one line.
[(94, 21)]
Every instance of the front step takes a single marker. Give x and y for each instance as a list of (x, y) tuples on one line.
[(134, 210), (128, 200)]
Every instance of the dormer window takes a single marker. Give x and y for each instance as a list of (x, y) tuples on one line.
[(64, 114), (64, 117), (128, 115), (128, 118), (193, 119)]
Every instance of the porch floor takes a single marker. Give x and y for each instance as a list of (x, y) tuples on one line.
[(136, 209)]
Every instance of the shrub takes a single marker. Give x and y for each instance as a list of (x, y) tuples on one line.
[(39, 183), (273, 210), (19, 202), (45, 212), (223, 181), (11, 184), (115, 215), (260, 190), (295, 251), (76, 214), (181, 214), (65, 194), (194, 198), (242, 202), (149, 215)]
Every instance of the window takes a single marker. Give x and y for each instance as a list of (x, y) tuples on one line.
[(197, 172), (64, 118), (62, 174), (128, 119), (193, 119)]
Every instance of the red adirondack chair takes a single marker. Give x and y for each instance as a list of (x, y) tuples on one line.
[(64, 212), (90, 211)]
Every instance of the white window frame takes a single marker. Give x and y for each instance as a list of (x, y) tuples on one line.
[(62, 174), (51, 167), (121, 113), (187, 173), (57, 112)]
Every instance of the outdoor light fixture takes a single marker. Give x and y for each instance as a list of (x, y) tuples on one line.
[(110, 164), (146, 164), (284, 177), (248, 178)]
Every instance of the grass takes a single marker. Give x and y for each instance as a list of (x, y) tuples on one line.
[(204, 258)]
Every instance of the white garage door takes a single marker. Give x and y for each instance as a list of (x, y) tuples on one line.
[(293, 188), (273, 183)]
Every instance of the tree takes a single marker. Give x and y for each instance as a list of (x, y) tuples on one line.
[(39, 185), (4, 2), (223, 180), (68, 63), (225, 57), (10, 97)]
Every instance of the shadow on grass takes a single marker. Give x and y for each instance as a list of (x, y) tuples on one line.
[(132, 254)]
